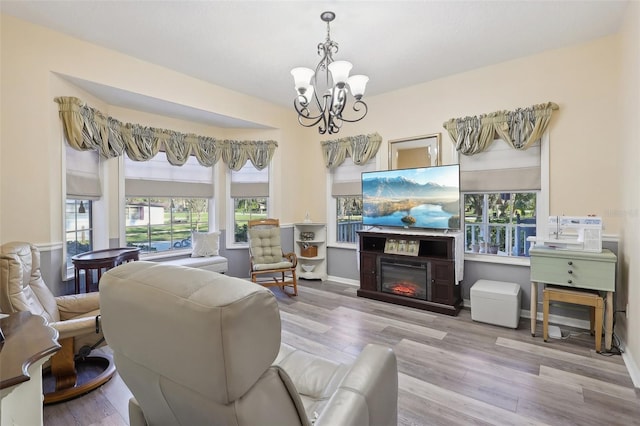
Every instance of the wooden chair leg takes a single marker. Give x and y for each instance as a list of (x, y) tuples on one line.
[(295, 283), (592, 320)]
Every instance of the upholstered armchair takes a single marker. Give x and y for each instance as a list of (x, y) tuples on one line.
[(200, 348), (75, 317), (270, 265)]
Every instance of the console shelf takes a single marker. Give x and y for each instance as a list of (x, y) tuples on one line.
[(413, 270)]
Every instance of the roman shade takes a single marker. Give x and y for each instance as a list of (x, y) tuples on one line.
[(501, 168), (83, 174), (249, 182), (158, 178)]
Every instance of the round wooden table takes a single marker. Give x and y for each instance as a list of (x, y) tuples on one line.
[(100, 260)]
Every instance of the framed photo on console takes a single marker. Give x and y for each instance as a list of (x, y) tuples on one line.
[(404, 247)]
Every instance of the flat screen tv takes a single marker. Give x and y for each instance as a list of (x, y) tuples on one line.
[(426, 197)]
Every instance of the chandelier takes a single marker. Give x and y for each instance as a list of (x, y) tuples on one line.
[(330, 79)]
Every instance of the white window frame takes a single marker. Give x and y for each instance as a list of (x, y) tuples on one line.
[(542, 210), (230, 234)]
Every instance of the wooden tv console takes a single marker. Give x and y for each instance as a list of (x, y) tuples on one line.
[(431, 259)]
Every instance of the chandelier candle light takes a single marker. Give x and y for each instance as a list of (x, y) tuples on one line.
[(333, 76)]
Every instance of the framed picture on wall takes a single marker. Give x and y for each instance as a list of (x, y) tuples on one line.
[(418, 151)]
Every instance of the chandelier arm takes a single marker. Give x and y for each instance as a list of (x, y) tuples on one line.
[(356, 104)]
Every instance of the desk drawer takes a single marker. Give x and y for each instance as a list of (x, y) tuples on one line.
[(566, 271)]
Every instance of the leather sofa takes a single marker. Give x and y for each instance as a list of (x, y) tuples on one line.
[(196, 347)]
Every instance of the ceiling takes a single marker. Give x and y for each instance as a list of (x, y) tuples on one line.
[(250, 46)]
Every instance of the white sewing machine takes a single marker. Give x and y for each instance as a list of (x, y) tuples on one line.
[(572, 233)]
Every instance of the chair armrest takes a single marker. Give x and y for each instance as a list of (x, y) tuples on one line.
[(75, 305), (75, 327), (291, 257), (368, 395)]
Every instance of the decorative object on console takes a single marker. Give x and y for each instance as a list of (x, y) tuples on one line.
[(334, 96), (205, 244)]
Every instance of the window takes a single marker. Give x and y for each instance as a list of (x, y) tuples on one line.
[(249, 190), (504, 192), (348, 218), (83, 191), (165, 203), (346, 191), (78, 228), (499, 223), (157, 224)]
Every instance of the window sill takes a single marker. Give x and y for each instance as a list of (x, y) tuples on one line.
[(492, 258), (165, 255), (346, 246), (239, 246)]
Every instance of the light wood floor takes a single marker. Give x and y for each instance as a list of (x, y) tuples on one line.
[(452, 371)]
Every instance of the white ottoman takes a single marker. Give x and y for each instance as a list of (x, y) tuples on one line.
[(496, 302)]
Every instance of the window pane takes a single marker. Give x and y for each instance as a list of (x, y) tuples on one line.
[(349, 218), (78, 228), (163, 224), (499, 223), (245, 209)]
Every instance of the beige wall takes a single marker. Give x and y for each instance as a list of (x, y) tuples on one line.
[(629, 157), (588, 139), (31, 183)]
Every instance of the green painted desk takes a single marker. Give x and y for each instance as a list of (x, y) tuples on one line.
[(574, 269)]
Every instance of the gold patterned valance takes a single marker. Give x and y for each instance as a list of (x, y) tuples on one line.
[(520, 128), (360, 148), (86, 128)]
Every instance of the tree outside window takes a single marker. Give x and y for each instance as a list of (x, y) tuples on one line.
[(163, 224), (244, 210), (499, 223)]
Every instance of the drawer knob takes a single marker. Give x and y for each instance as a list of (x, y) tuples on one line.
[(570, 263), (569, 282), (570, 271)]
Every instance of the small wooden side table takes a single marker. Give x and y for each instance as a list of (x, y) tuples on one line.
[(28, 344), (577, 270), (100, 260)]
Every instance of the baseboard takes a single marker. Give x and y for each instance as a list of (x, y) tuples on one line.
[(342, 280), (555, 319), (631, 364)]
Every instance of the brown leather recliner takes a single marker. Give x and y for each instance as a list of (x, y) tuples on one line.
[(200, 348), (76, 317)]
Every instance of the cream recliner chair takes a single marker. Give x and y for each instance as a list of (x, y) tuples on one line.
[(200, 348), (75, 317)]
